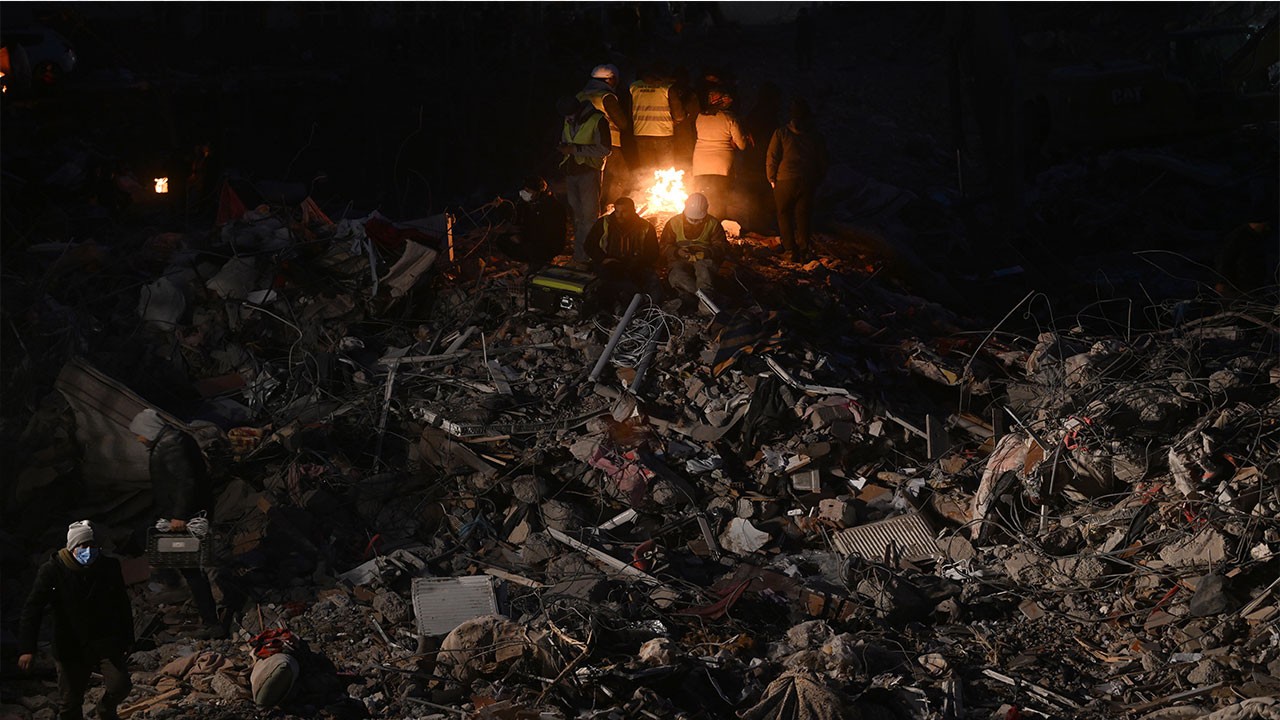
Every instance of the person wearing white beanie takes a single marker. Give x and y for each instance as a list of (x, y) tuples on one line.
[(92, 622), (81, 532)]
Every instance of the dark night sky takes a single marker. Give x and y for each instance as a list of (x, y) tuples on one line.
[(408, 106)]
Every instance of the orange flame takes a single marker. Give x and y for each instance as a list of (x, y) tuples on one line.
[(667, 194), (162, 185)]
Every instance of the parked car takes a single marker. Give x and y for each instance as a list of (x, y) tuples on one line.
[(49, 55)]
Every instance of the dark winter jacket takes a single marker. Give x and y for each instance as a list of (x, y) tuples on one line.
[(92, 617), (796, 154), (632, 242), (179, 481), (541, 224)]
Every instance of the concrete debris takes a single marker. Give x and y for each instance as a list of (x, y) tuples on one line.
[(743, 538), (829, 498)]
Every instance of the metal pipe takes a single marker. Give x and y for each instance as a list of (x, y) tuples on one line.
[(646, 361), (614, 338)]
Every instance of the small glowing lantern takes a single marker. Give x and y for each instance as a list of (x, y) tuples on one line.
[(162, 185)]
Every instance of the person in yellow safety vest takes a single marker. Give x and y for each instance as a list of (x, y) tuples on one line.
[(584, 143), (655, 110), (602, 92), (624, 251), (693, 243)]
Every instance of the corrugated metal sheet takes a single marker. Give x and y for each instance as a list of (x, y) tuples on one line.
[(442, 604), (910, 533), (103, 408)]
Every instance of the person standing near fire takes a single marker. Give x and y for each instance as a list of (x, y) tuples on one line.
[(796, 164), (602, 92), (584, 143), (720, 136), (655, 110), (693, 243)]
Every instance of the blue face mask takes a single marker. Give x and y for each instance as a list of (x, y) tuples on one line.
[(86, 555)]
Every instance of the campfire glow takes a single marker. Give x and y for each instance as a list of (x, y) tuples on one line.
[(162, 185), (667, 194)]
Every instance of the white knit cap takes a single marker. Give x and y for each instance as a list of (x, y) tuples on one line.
[(78, 532), (604, 72), (147, 424)]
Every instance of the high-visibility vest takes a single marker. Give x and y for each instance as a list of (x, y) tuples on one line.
[(596, 98), (651, 109), (702, 241), (585, 135), (619, 244)]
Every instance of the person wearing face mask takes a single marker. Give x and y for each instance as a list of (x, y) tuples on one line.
[(538, 232), (92, 622)]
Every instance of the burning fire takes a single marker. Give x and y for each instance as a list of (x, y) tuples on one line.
[(162, 185), (667, 194)]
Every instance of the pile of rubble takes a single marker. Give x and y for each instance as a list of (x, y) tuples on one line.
[(815, 496)]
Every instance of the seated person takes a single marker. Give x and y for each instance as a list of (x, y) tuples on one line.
[(693, 243), (538, 232), (623, 248)]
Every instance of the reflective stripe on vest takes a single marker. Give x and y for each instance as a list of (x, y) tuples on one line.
[(586, 135), (597, 101), (623, 246), (681, 241), (651, 109)]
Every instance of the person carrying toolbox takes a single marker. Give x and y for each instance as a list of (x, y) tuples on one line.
[(183, 500)]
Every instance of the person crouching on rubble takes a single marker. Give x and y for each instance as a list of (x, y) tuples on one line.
[(694, 244), (538, 232), (92, 618), (181, 491), (623, 248)]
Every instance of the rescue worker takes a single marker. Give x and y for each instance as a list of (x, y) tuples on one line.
[(796, 163), (655, 110), (719, 137), (181, 492), (584, 143), (537, 233), (624, 251), (92, 622), (694, 243), (602, 92)]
